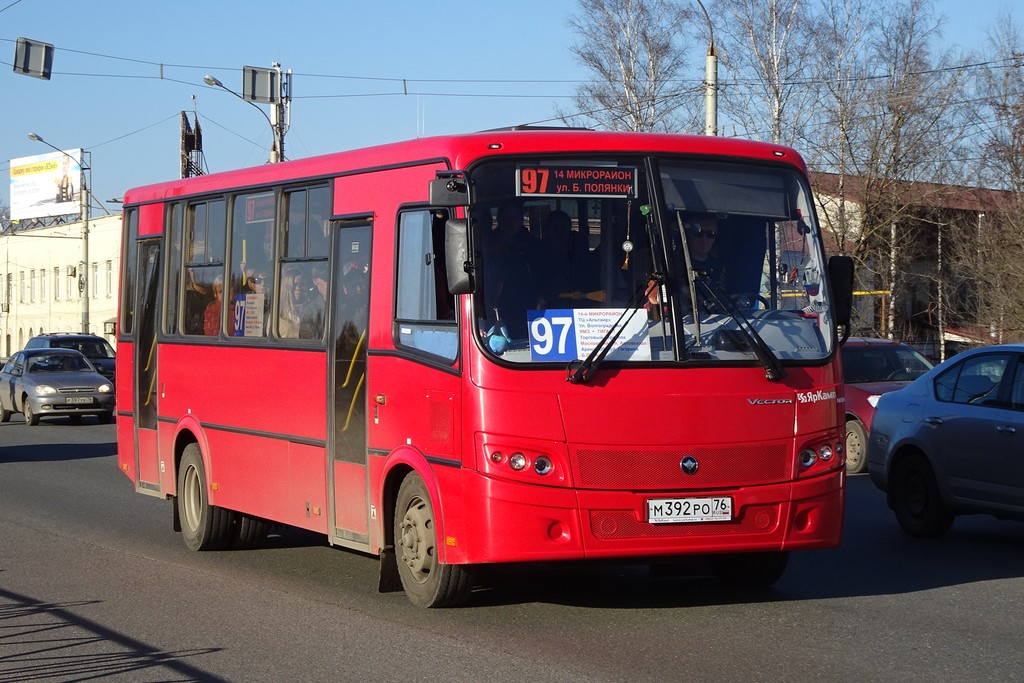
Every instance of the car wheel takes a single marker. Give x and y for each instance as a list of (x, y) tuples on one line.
[(426, 580), (31, 419), (750, 570), (203, 526), (914, 497), (856, 447), (5, 415)]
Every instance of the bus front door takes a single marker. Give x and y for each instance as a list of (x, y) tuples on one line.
[(147, 312), (346, 351)]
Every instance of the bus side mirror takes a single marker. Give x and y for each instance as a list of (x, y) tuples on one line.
[(840, 275), (449, 191), (456, 256)]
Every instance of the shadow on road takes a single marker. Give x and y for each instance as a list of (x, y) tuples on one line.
[(56, 643), (55, 452), (875, 558)]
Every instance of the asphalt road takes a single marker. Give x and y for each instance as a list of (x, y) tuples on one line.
[(94, 585)]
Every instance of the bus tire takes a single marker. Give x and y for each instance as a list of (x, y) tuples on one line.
[(426, 580), (251, 531), (751, 570), (203, 526)]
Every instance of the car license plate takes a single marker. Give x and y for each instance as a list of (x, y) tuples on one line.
[(78, 399), (682, 510)]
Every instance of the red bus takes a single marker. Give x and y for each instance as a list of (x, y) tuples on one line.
[(504, 347)]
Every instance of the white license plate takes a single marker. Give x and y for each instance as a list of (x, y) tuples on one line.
[(682, 510), (78, 399)]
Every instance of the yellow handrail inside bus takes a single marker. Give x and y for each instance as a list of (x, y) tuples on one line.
[(352, 405), (152, 378), (352, 363)]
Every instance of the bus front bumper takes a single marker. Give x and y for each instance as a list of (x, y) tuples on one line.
[(525, 523)]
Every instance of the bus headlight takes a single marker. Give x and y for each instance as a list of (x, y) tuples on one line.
[(808, 457), (542, 465), (517, 461)]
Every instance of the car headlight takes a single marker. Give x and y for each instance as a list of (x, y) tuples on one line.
[(104, 389), (45, 390)]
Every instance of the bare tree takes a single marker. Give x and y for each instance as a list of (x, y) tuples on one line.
[(908, 121), (987, 253), (766, 47), (832, 137), (636, 50)]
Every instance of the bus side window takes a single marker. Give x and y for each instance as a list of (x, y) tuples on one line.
[(204, 268), (425, 309)]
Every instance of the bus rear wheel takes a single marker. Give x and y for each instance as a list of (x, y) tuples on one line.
[(203, 526), (427, 581)]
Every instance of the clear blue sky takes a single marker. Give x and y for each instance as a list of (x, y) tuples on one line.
[(468, 66)]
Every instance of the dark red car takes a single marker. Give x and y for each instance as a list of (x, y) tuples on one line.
[(872, 367)]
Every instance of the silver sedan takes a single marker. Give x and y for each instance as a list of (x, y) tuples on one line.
[(952, 441), (50, 382)]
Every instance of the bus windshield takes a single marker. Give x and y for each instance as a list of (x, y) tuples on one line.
[(647, 260)]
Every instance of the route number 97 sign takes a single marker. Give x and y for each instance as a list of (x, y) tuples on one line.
[(576, 181), (568, 334)]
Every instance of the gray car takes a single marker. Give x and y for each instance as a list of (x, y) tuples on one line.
[(952, 441), (50, 382)]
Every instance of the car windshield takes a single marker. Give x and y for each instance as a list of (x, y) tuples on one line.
[(640, 260), (882, 363), (58, 363), (88, 348)]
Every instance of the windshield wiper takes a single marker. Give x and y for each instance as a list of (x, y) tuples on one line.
[(773, 370), (580, 371)]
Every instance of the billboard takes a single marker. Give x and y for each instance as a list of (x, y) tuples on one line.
[(47, 185)]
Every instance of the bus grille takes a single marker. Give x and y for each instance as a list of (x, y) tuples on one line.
[(659, 469)]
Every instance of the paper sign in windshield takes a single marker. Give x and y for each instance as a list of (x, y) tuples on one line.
[(567, 334)]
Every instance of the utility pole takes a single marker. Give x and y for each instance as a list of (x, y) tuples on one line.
[(280, 107), (710, 80)]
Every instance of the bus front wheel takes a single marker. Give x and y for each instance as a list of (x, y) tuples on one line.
[(427, 581), (203, 526)]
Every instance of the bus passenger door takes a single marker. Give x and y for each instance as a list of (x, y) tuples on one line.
[(346, 357), (147, 315)]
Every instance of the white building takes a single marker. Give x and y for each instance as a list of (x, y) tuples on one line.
[(40, 271)]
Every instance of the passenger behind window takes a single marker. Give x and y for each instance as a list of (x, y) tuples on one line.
[(313, 313), (197, 298), (211, 317), (260, 285), (293, 299), (567, 269), (512, 257)]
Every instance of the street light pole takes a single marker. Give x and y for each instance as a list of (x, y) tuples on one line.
[(710, 80), (83, 277), (278, 145)]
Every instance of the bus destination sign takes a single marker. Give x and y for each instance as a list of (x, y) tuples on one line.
[(576, 181)]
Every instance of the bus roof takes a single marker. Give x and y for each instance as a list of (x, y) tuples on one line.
[(461, 150)]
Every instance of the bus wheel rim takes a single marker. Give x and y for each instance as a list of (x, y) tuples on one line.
[(417, 540)]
